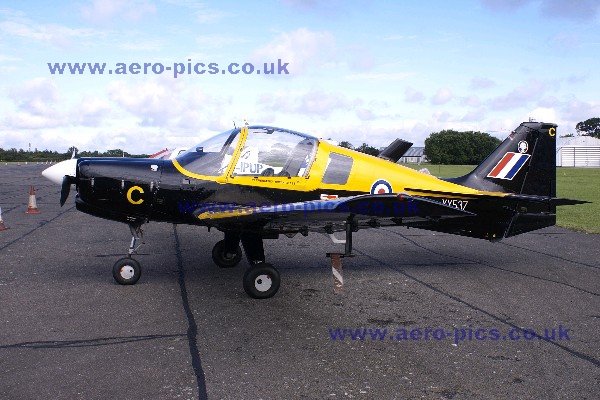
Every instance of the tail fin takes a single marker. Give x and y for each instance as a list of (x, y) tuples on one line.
[(525, 163)]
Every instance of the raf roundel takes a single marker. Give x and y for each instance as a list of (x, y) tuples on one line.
[(381, 187), (523, 147)]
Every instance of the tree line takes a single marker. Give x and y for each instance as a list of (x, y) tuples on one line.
[(444, 147), (20, 155)]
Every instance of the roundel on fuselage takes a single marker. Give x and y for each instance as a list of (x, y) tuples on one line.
[(381, 186)]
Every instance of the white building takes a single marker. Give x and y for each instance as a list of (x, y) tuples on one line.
[(578, 151), (414, 155)]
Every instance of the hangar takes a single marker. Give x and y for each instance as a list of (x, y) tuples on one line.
[(415, 155), (578, 151)]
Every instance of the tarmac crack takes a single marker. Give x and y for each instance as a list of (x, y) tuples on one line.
[(41, 224), (106, 341), (470, 261), (551, 256), (192, 331), (592, 360)]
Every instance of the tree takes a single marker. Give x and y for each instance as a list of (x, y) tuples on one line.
[(365, 148), (463, 148), (346, 144), (589, 127)]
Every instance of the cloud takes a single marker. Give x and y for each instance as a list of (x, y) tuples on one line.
[(379, 76), (302, 49), (577, 110), (35, 105), (202, 13), (313, 103), (166, 103), (442, 96), (154, 101), (90, 111), (144, 45), (413, 96), (399, 37), (581, 10), (329, 8), (55, 35), (482, 83), (520, 96), (471, 101), (218, 41), (106, 10)]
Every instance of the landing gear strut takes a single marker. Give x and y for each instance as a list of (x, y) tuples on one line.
[(127, 271), (336, 258)]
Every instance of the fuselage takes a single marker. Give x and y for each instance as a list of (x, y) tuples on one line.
[(260, 166), (126, 189)]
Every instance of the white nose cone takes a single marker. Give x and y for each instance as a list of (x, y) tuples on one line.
[(56, 172)]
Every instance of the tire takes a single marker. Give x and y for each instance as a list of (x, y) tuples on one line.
[(127, 271), (219, 257), (261, 281)]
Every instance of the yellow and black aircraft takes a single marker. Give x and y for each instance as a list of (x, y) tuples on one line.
[(259, 182)]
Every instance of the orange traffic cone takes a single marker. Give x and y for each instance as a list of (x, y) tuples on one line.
[(32, 206), (2, 226)]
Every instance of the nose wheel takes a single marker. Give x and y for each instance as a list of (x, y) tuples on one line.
[(127, 271), (261, 281)]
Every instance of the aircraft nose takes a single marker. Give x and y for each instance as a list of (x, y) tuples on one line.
[(57, 172)]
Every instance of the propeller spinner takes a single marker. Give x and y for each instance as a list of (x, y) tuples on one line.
[(62, 174)]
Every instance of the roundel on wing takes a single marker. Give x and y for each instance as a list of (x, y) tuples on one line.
[(381, 187)]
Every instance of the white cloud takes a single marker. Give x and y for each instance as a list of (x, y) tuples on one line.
[(442, 96), (567, 9), (380, 77), (301, 48), (106, 10), (399, 37), (219, 41), (413, 96), (143, 45), (167, 103), (313, 103), (482, 83), (90, 111), (202, 13), (154, 101), (55, 35), (35, 105), (520, 96)]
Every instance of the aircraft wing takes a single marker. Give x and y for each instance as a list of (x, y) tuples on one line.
[(319, 213)]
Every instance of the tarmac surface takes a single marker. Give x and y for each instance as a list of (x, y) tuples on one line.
[(187, 330)]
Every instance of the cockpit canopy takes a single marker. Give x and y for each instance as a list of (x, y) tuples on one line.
[(266, 151)]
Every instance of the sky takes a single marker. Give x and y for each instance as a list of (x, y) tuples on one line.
[(359, 71)]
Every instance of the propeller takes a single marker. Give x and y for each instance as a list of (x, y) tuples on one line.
[(66, 188)]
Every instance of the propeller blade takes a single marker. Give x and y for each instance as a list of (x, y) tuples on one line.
[(65, 189)]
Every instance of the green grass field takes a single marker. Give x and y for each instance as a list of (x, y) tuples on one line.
[(573, 183)]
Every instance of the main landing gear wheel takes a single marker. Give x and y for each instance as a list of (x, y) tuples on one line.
[(127, 271), (223, 259), (261, 281)]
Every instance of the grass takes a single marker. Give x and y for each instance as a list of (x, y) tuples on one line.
[(573, 183)]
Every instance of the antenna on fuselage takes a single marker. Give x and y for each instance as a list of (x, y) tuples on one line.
[(234, 127), (246, 122)]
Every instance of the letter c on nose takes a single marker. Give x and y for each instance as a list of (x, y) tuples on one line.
[(130, 191)]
